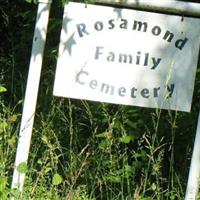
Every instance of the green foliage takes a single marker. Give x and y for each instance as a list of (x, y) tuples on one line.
[(57, 179), (83, 150), (31, 1), (2, 89), (22, 168)]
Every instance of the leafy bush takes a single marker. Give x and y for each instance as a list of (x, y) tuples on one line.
[(84, 150)]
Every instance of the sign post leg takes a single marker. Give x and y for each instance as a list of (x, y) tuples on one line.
[(31, 92), (194, 173)]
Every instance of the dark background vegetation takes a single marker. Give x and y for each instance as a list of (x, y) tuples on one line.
[(174, 130)]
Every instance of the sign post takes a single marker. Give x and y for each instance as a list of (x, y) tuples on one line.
[(194, 173), (31, 92)]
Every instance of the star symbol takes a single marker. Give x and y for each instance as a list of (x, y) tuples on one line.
[(69, 44), (66, 21)]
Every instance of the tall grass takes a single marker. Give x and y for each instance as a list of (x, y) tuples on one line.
[(83, 150)]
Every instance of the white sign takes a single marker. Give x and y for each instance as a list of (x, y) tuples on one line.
[(127, 57)]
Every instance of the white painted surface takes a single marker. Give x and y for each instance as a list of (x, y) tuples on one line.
[(89, 35), (180, 6), (31, 92), (194, 173)]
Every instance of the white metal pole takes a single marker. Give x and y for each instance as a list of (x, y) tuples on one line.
[(31, 91), (194, 173)]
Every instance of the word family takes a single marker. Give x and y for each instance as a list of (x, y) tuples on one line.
[(141, 59)]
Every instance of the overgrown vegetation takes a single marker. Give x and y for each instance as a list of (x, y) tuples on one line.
[(85, 150)]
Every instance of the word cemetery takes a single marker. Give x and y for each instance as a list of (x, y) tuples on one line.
[(82, 78)]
